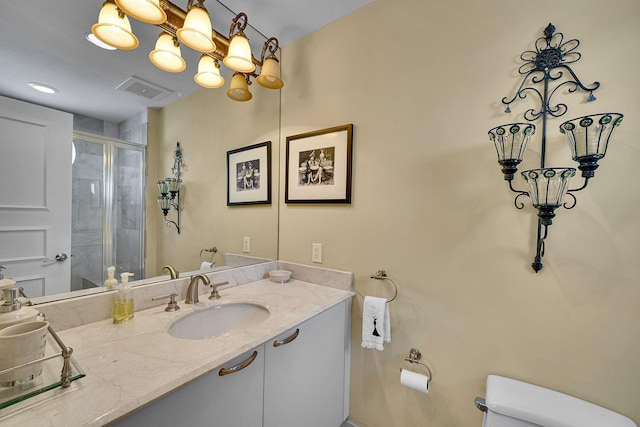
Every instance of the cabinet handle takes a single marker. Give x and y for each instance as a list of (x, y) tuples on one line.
[(288, 339), (239, 367)]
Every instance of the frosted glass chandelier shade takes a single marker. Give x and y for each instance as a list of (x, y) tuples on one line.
[(148, 11), (196, 31), (114, 28), (239, 56), (239, 90), (208, 73), (166, 55), (270, 74)]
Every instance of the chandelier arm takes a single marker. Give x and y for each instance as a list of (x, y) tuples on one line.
[(521, 88), (577, 81), (239, 23), (168, 223), (271, 45), (584, 185), (575, 201), (537, 262), (520, 205)]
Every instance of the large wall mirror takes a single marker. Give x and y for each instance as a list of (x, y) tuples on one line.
[(206, 123)]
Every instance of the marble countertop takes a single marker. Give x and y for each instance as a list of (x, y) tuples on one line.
[(131, 364)]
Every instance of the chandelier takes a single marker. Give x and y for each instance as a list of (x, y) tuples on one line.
[(193, 29), (546, 72)]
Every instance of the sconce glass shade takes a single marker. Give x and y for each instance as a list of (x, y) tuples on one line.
[(208, 73), (547, 188), (164, 203), (270, 74), (166, 55), (589, 137), (239, 55), (510, 141), (196, 31), (114, 28), (239, 90), (148, 11), (163, 187), (174, 186)]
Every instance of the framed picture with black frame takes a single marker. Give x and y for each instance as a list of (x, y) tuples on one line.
[(249, 175), (318, 166)]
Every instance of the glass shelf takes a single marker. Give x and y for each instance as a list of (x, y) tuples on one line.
[(51, 377)]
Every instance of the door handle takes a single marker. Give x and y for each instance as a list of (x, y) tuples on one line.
[(61, 257)]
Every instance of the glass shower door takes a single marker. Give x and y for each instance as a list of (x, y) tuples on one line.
[(128, 210), (108, 210)]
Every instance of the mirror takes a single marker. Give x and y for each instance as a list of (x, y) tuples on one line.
[(207, 124)]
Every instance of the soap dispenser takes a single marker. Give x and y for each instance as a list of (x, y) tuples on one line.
[(111, 281), (123, 306), (11, 310)]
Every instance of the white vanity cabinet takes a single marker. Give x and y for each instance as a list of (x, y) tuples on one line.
[(300, 378), (306, 379), (232, 400)]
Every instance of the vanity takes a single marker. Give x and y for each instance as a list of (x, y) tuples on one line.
[(289, 369)]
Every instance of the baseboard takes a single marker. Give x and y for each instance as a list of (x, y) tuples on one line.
[(348, 423)]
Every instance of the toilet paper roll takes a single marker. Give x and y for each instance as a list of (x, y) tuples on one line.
[(206, 265), (414, 380)]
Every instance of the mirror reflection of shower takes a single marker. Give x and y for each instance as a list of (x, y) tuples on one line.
[(107, 209)]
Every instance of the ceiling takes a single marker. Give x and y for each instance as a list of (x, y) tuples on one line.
[(44, 41)]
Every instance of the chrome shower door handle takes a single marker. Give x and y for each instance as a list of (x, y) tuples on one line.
[(61, 257)]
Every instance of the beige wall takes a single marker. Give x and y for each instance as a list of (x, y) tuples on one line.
[(422, 82), (208, 124)]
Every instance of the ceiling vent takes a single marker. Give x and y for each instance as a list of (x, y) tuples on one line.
[(143, 88)]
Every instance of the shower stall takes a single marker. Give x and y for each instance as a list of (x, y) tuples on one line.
[(107, 223)]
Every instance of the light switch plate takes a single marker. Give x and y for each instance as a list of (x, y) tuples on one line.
[(246, 244)]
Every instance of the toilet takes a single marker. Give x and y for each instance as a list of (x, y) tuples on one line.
[(512, 403)]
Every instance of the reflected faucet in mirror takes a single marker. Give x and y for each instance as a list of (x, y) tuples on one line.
[(173, 274)]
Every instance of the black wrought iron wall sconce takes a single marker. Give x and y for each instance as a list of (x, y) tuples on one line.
[(170, 189), (546, 72)]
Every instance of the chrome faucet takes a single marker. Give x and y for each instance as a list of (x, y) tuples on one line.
[(172, 271), (192, 290)]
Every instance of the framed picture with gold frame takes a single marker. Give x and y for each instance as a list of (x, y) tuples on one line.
[(318, 166), (249, 175)]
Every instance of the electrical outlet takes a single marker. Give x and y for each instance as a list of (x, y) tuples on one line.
[(246, 244), (316, 252)]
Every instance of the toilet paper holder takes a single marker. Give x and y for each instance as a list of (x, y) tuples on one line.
[(414, 357)]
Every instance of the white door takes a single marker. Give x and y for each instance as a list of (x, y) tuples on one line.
[(35, 196)]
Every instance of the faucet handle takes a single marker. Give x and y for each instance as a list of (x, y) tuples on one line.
[(214, 290), (172, 305)]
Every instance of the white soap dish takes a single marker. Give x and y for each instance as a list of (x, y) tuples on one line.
[(280, 276)]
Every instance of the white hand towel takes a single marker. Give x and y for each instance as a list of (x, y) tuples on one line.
[(376, 324)]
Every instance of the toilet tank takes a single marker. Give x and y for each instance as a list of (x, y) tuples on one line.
[(512, 403)]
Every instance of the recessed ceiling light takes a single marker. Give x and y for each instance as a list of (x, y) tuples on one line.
[(93, 39), (43, 88)]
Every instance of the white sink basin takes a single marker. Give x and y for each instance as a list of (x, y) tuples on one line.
[(219, 320)]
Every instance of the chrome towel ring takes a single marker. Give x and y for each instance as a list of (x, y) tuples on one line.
[(382, 275)]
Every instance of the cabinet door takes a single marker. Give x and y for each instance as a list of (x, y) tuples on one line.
[(233, 400), (305, 372)]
